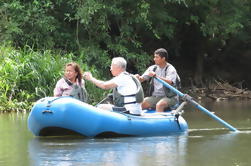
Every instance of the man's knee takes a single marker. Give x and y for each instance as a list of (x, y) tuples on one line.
[(162, 104), (145, 105)]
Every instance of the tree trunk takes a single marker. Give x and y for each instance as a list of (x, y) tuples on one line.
[(199, 70)]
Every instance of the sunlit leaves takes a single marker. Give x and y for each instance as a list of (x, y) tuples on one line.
[(28, 75)]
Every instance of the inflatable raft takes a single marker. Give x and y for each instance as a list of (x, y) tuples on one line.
[(52, 116)]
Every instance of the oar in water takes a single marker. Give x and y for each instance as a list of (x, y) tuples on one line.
[(194, 103)]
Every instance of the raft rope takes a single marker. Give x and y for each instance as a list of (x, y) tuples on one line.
[(177, 119), (177, 112), (50, 101)]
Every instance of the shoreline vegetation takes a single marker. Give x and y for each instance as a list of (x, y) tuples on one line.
[(219, 91), (28, 75), (206, 40)]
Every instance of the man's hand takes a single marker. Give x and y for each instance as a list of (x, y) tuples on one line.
[(140, 78), (151, 74), (87, 76)]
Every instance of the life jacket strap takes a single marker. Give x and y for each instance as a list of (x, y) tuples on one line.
[(132, 95), (68, 81), (133, 102)]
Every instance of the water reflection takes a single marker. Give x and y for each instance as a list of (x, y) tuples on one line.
[(198, 147), (236, 113), (218, 147), (207, 143), (13, 139), (109, 152)]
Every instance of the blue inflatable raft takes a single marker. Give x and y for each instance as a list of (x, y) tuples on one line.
[(66, 115)]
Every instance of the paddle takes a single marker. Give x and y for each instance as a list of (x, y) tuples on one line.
[(190, 100), (107, 98)]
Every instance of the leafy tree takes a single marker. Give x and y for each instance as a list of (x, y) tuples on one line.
[(195, 31), (210, 25)]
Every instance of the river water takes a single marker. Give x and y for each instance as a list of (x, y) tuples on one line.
[(207, 143)]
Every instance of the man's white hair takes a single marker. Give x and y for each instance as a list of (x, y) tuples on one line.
[(120, 62)]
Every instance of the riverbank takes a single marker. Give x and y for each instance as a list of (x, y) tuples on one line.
[(219, 91)]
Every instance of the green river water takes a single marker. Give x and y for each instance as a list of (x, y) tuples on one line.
[(207, 143)]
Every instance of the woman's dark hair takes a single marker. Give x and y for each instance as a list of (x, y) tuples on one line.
[(77, 69), (162, 53)]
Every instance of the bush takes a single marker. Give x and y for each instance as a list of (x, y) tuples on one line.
[(27, 75)]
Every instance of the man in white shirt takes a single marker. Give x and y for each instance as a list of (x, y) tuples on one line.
[(124, 87), (160, 97)]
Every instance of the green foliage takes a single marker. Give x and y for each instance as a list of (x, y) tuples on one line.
[(92, 32), (28, 23), (115, 28), (109, 28), (219, 18), (28, 75)]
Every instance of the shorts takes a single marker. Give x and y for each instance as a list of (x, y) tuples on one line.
[(153, 100)]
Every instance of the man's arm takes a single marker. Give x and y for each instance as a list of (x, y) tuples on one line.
[(170, 76), (165, 79), (101, 84), (140, 78), (146, 75)]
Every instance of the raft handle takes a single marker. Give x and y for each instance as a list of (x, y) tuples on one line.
[(47, 111)]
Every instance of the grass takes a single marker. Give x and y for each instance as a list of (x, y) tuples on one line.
[(27, 75)]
